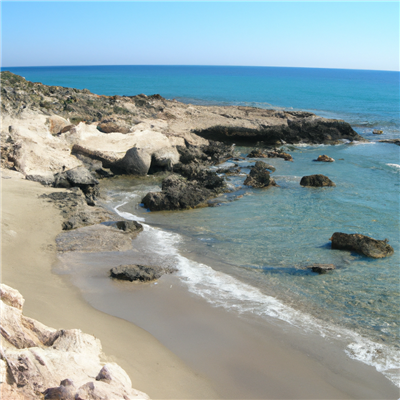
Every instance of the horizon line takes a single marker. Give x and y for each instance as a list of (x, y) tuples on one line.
[(191, 65)]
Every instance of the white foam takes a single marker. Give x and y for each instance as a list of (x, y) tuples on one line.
[(395, 166), (127, 215), (222, 290)]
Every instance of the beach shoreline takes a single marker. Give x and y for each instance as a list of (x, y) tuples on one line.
[(223, 356), (29, 228)]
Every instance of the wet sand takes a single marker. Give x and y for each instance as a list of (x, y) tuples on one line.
[(193, 350)]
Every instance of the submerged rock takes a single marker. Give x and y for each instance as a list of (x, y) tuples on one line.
[(259, 177), (142, 273), (324, 158), (256, 154), (130, 226), (321, 268), (278, 153), (316, 181), (361, 244)]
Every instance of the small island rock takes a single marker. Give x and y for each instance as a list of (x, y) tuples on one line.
[(259, 177), (317, 180), (321, 268), (361, 244), (324, 158), (142, 273)]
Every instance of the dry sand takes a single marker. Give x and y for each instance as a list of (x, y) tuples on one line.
[(29, 228), (197, 351)]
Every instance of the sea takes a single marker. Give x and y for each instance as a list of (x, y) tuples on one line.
[(251, 252)]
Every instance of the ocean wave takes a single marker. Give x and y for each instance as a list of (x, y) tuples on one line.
[(223, 290), (395, 167)]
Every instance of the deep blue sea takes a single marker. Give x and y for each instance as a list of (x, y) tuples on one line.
[(251, 255)]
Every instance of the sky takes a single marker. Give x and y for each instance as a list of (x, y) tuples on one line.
[(319, 34)]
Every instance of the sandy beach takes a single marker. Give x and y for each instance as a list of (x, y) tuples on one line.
[(172, 344)]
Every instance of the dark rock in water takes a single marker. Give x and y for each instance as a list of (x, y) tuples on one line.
[(218, 151), (256, 154), (278, 153), (321, 268), (361, 244), (316, 181), (377, 132), (142, 273), (47, 180), (324, 158), (178, 194), (259, 177), (130, 226)]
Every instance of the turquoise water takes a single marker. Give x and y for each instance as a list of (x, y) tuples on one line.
[(260, 245)]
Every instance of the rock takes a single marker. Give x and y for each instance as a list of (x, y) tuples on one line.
[(113, 125), (164, 159), (130, 226), (316, 181), (94, 238), (79, 177), (75, 210), (142, 273), (135, 162), (218, 151), (178, 194), (46, 180), (56, 124), (377, 132), (41, 362), (277, 153), (324, 158), (229, 171), (321, 268), (256, 154), (361, 244), (259, 177)]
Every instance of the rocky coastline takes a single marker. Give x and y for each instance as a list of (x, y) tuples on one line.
[(72, 139)]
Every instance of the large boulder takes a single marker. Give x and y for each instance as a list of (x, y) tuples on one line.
[(317, 180), (135, 162), (361, 244), (259, 177)]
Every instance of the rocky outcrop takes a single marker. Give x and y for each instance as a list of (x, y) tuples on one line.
[(178, 193), (142, 273), (277, 127), (259, 177), (394, 141), (324, 158), (79, 177), (75, 210), (256, 154), (316, 181), (94, 238), (278, 153), (361, 244), (321, 268), (41, 362)]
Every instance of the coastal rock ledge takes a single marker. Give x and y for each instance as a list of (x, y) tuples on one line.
[(38, 362)]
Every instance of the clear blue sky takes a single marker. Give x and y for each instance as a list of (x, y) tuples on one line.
[(359, 35)]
